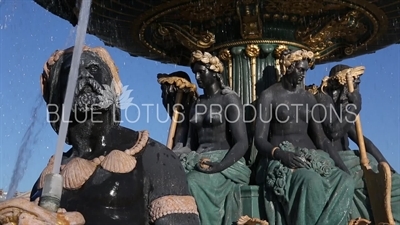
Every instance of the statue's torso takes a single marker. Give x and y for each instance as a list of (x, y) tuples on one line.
[(290, 114), (333, 111), (209, 121), (110, 198)]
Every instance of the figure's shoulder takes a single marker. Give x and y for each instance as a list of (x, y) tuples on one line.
[(232, 97), (157, 152), (121, 137), (310, 97), (270, 91), (139, 140), (322, 97)]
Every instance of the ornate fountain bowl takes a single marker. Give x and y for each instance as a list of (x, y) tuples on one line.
[(23, 212), (168, 31)]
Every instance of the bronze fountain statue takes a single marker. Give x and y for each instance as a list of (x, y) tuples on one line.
[(301, 181), (340, 110), (306, 173), (217, 141), (275, 171), (111, 174), (300, 184)]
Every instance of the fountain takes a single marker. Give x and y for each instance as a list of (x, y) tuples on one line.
[(249, 37), (24, 152), (18, 210)]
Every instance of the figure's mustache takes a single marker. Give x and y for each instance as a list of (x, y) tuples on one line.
[(88, 94), (88, 85)]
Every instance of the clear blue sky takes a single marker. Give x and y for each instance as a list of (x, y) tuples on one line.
[(29, 34)]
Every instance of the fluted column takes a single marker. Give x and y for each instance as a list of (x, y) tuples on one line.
[(253, 51), (250, 69)]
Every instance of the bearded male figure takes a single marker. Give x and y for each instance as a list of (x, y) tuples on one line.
[(111, 174)]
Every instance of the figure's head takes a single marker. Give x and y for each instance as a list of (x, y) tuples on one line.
[(334, 84), (97, 89), (294, 64), (207, 69), (167, 88)]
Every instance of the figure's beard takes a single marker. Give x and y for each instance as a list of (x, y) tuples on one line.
[(92, 96)]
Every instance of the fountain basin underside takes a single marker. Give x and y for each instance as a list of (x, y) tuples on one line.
[(168, 31)]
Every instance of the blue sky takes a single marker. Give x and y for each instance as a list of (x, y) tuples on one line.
[(29, 35)]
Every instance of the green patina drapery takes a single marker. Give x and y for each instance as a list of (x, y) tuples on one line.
[(217, 195), (361, 205), (321, 195)]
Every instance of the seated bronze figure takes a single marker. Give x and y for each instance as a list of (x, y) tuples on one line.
[(339, 112), (171, 85), (303, 185), (213, 155), (111, 174)]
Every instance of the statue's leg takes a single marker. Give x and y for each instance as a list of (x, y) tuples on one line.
[(361, 205), (215, 197), (395, 197), (313, 199), (395, 193)]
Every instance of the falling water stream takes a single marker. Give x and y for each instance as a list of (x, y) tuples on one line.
[(72, 78), (25, 150), (30, 137)]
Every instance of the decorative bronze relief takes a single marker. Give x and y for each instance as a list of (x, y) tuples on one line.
[(322, 35), (187, 36)]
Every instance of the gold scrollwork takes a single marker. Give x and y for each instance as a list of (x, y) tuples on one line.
[(341, 76), (349, 27), (253, 51), (187, 36), (163, 31), (318, 31), (226, 56), (277, 55), (258, 42), (324, 84), (313, 89), (355, 72)]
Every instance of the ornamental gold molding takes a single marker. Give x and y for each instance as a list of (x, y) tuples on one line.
[(313, 89), (252, 51), (258, 42), (187, 36), (349, 28), (329, 28), (277, 55), (225, 55), (341, 76)]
